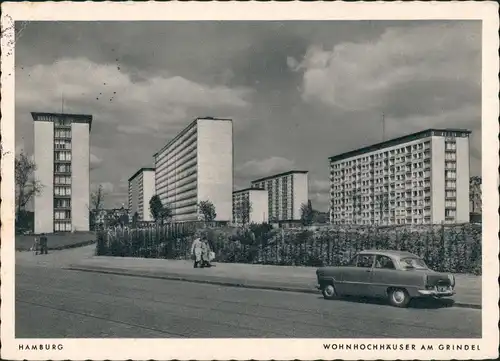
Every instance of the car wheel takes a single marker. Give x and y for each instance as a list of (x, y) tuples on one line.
[(329, 292), (399, 297)]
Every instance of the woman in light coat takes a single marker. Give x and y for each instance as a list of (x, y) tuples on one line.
[(197, 252), (205, 256)]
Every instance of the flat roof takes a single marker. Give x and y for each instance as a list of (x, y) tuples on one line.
[(189, 126), (77, 118), (144, 169), (395, 141), (281, 175), (249, 189)]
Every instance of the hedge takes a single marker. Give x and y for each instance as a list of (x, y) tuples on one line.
[(450, 248)]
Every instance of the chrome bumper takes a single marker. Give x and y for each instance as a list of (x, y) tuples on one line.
[(436, 293)]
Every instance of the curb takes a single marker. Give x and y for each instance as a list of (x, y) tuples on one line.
[(61, 248), (225, 283)]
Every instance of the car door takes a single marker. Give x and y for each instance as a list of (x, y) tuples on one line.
[(357, 279), (384, 275)]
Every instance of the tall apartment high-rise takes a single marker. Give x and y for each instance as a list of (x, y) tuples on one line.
[(420, 178), (141, 187), (286, 193), (62, 156), (195, 166), (250, 205)]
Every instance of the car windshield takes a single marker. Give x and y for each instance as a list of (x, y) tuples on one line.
[(416, 263)]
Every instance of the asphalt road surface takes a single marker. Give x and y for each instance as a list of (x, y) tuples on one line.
[(56, 303)]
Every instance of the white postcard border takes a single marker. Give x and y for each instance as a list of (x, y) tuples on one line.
[(242, 349)]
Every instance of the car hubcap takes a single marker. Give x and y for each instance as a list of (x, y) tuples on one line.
[(329, 291), (399, 296)]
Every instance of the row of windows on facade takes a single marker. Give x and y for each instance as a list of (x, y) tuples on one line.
[(173, 180), (62, 133), (382, 155), (62, 155), (176, 156), (62, 215), (340, 175), (171, 164), (181, 140), (62, 191), (393, 221), (62, 203), (62, 168), (62, 226), (62, 144), (62, 179)]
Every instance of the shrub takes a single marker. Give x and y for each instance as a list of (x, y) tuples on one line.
[(453, 248)]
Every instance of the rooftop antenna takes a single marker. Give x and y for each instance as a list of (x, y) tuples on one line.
[(383, 127), (62, 101)]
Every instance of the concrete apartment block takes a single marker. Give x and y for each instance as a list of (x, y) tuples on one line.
[(195, 166), (420, 178)]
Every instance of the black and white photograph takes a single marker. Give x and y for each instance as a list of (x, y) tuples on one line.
[(210, 181)]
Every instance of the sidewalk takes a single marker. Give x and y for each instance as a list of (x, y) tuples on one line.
[(281, 278)]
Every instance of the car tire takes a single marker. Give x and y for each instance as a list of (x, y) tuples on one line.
[(328, 291), (399, 297)]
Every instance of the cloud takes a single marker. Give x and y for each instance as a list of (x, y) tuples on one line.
[(395, 74), (264, 167), (145, 106)]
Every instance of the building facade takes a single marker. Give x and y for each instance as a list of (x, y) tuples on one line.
[(250, 205), (195, 166), (420, 178), (141, 187), (286, 192), (62, 156)]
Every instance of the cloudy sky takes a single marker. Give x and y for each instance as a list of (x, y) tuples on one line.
[(298, 92)]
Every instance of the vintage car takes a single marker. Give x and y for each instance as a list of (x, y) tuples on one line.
[(396, 275)]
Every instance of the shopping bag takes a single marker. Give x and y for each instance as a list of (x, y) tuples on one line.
[(211, 256)]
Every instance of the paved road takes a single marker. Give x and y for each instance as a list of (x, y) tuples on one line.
[(51, 302)]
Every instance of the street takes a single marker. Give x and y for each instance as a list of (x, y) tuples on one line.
[(56, 303)]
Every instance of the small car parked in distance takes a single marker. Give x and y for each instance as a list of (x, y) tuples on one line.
[(396, 275)]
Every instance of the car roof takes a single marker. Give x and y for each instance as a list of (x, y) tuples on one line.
[(389, 253)]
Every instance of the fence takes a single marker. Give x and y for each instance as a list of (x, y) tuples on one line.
[(453, 248)]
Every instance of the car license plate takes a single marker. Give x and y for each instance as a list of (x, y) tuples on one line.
[(442, 288)]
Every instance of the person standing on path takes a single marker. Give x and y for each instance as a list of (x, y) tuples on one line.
[(43, 244), (205, 256), (196, 251)]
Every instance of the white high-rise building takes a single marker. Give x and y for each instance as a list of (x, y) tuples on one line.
[(250, 205), (62, 156), (420, 178), (195, 166), (141, 188), (286, 193)]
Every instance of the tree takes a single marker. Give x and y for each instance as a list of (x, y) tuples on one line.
[(242, 211), (383, 205), (306, 213), (475, 194), (207, 209), (135, 219), (159, 212), (356, 204), (96, 204), (26, 185)]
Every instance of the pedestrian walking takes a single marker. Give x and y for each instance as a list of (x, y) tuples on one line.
[(196, 252), (36, 246), (206, 253), (43, 244)]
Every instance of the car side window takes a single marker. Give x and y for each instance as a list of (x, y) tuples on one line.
[(384, 262), (365, 261)]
